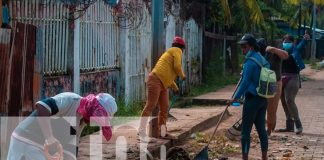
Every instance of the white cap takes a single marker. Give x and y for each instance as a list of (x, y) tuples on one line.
[(108, 102)]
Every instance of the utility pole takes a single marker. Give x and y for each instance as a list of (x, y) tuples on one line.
[(157, 49), (313, 49), (73, 61), (76, 57)]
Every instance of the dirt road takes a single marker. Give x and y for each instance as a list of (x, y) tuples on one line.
[(309, 145)]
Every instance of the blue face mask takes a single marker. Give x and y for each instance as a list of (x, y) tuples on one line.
[(287, 46)]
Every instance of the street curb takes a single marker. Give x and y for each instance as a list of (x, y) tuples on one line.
[(209, 102), (206, 124), (189, 102)]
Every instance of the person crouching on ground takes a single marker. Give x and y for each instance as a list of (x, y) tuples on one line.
[(161, 78), (274, 56), (27, 140), (254, 107)]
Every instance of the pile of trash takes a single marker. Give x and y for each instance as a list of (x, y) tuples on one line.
[(287, 154), (220, 147), (177, 153)]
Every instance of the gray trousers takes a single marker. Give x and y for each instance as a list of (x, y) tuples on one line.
[(289, 92)]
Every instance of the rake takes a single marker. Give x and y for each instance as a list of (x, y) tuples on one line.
[(203, 154), (174, 98), (171, 118)]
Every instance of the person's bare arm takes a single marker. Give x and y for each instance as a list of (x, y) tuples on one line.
[(282, 54)]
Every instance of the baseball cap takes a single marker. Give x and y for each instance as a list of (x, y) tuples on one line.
[(248, 39)]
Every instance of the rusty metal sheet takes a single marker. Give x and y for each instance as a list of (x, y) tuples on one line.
[(4, 67), (22, 69), (28, 66), (15, 101)]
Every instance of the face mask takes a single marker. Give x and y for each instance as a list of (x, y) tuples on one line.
[(287, 46)]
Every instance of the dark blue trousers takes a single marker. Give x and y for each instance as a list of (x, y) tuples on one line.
[(254, 112)]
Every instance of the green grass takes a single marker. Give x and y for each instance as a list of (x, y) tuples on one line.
[(313, 64), (89, 130), (213, 84), (129, 110)]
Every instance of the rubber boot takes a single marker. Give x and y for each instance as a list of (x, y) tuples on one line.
[(299, 127), (289, 126), (245, 156), (264, 155)]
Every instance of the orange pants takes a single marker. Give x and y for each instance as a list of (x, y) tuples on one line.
[(156, 94), (272, 108)]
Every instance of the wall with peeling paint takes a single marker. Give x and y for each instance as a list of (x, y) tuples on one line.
[(112, 59), (55, 85), (90, 83)]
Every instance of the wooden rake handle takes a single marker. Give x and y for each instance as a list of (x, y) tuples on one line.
[(222, 116)]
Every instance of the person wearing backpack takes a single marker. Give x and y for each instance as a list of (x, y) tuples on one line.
[(255, 106), (274, 56), (291, 82)]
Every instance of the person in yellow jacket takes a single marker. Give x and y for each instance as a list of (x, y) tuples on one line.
[(161, 78)]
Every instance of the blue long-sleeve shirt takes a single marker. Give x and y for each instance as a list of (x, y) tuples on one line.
[(251, 74), (294, 64)]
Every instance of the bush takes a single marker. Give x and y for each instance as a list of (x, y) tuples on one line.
[(213, 78)]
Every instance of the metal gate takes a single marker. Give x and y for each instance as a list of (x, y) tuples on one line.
[(99, 38), (138, 59), (192, 59), (53, 18)]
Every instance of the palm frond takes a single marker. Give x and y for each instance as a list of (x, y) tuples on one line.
[(255, 12), (294, 2), (227, 12), (319, 2)]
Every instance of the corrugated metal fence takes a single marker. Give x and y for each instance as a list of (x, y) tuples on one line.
[(99, 34), (53, 18), (99, 38), (192, 59), (100, 42), (138, 59)]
